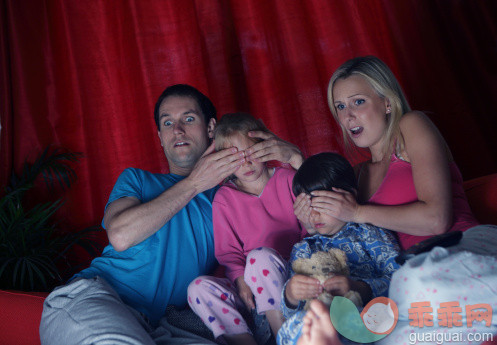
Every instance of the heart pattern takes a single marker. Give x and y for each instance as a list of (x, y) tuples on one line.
[(259, 289), (271, 301), (265, 272), (198, 281), (252, 260), (236, 321), (211, 319), (198, 302), (209, 304), (225, 311), (254, 279), (224, 296)]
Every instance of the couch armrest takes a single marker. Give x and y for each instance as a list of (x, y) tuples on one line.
[(482, 197), (20, 315)]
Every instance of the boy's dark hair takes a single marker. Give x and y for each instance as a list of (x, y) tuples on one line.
[(324, 171), (184, 90)]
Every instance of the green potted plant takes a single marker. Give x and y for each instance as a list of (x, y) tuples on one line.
[(33, 250)]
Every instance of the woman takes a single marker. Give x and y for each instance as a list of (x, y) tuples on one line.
[(410, 185)]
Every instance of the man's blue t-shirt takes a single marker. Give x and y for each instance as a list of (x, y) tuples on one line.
[(156, 272)]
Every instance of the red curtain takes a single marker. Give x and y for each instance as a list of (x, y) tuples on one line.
[(85, 75)]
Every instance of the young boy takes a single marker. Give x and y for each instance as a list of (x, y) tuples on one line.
[(370, 250)]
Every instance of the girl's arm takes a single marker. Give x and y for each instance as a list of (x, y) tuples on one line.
[(432, 213), (227, 244)]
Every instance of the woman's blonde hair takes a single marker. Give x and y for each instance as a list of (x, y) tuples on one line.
[(382, 80), (236, 123)]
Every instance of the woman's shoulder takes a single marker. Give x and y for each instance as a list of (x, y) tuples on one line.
[(414, 120), (420, 133)]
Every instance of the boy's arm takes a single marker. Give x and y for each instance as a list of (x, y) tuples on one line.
[(300, 250), (383, 253)]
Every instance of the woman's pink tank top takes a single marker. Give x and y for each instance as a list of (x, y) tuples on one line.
[(398, 188)]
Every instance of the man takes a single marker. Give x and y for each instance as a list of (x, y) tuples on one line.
[(160, 232)]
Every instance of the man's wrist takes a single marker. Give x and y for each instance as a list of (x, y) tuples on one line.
[(190, 186), (297, 159)]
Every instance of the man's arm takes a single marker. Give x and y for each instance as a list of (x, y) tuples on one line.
[(129, 222)]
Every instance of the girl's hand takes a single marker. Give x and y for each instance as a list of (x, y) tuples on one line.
[(274, 148), (302, 209), (245, 293), (338, 203), (301, 287)]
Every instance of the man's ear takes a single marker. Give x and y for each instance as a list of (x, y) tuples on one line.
[(160, 139), (210, 128)]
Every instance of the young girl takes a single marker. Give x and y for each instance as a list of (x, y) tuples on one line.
[(370, 250), (254, 209)]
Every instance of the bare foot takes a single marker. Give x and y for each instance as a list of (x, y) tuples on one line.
[(317, 328)]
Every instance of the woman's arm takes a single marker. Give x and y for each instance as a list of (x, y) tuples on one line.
[(427, 153), (432, 213)]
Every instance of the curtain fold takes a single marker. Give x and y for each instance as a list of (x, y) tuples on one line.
[(85, 75)]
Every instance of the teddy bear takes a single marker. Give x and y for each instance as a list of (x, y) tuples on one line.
[(323, 265)]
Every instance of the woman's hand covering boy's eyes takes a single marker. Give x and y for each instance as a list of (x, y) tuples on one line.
[(302, 209), (338, 204), (273, 148)]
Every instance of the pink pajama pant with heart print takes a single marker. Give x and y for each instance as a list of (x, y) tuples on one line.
[(218, 304)]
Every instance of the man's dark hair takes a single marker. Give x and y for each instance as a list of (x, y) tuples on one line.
[(183, 90), (323, 172)]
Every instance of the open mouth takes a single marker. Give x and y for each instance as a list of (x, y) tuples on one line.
[(319, 225), (356, 130), (181, 143), (249, 173)]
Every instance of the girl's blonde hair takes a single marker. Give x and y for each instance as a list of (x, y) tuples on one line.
[(237, 123), (382, 80)]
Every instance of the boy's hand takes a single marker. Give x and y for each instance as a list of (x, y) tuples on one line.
[(302, 209), (301, 287), (338, 285), (245, 293)]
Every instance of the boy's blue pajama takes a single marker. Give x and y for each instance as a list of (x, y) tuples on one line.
[(371, 253)]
